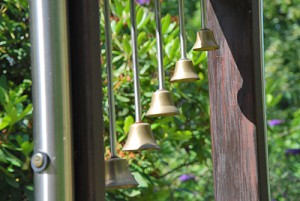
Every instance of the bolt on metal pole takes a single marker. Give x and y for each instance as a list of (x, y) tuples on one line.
[(53, 159), (109, 67), (203, 14), (182, 30), (135, 65), (161, 72)]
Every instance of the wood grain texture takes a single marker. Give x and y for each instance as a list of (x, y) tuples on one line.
[(233, 101)]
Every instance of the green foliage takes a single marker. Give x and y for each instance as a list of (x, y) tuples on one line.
[(282, 42), (15, 141), (14, 40)]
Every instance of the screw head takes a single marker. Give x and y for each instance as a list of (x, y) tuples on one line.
[(38, 160)]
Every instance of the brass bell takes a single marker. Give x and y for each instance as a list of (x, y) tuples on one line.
[(140, 138), (117, 174), (184, 71), (205, 41), (162, 105)]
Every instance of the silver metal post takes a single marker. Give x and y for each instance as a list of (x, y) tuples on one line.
[(182, 30), (161, 72), (52, 160), (203, 13), (109, 67), (135, 66)]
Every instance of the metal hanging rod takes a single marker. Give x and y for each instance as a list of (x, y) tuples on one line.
[(109, 67), (161, 72), (203, 14), (135, 66), (182, 30)]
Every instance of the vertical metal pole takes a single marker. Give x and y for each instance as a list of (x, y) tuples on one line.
[(159, 43), (88, 129), (203, 14), (109, 67), (182, 30), (135, 65), (260, 106), (51, 98)]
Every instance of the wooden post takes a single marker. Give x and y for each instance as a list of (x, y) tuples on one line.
[(236, 85), (84, 30)]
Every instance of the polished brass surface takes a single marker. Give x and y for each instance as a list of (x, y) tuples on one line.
[(140, 137), (162, 105), (184, 71), (117, 174), (205, 41)]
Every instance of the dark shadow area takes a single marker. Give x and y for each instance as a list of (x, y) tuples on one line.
[(231, 16)]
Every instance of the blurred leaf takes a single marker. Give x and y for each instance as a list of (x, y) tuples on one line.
[(127, 123)]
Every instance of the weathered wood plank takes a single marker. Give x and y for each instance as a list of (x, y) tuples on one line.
[(236, 89)]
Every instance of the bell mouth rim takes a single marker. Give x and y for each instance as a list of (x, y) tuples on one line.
[(110, 186), (144, 147), (174, 80), (163, 114), (211, 48), (205, 29)]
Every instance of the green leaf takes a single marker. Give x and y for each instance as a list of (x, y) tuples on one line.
[(27, 148), (2, 157), (4, 122), (127, 123), (12, 159), (141, 37), (182, 135), (126, 45), (165, 23)]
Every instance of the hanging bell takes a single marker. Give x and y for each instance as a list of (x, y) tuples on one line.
[(205, 41), (184, 71), (140, 137), (117, 174), (162, 105)]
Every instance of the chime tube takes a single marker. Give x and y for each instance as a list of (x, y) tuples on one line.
[(161, 72), (109, 67), (182, 30), (203, 14), (135, 67)]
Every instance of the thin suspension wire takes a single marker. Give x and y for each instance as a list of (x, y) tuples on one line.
[(135, 66), (182, 30), (161, 72), (203, 13), (111, 99)]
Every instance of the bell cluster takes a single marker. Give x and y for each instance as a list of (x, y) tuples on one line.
[(140, 137)]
